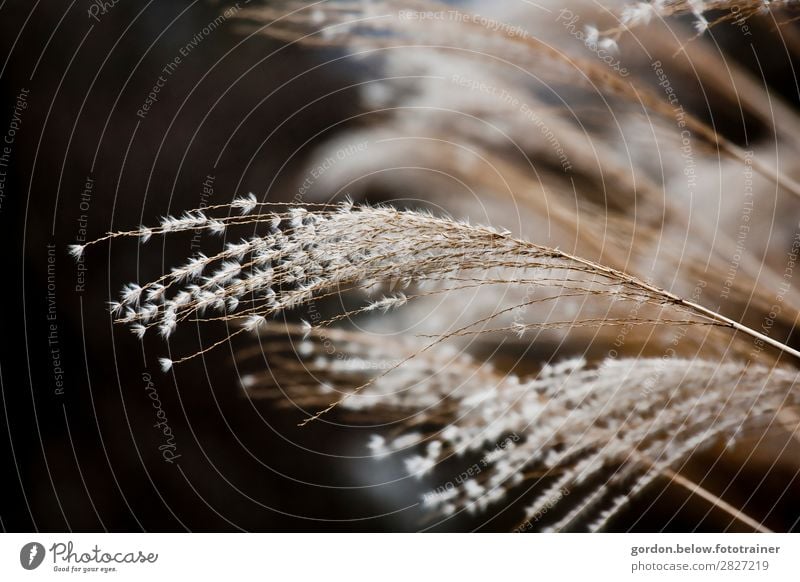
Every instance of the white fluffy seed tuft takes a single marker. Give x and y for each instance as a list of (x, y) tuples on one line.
[(253, 322), (76, 250), (245, 204)]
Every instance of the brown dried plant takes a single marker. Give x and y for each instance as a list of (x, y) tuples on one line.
[(440, 325)]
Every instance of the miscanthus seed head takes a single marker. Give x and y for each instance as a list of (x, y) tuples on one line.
[(553, 417), (589, 432), (307, 253)]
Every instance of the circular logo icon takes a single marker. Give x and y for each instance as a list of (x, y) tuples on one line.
[(31, 555)]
